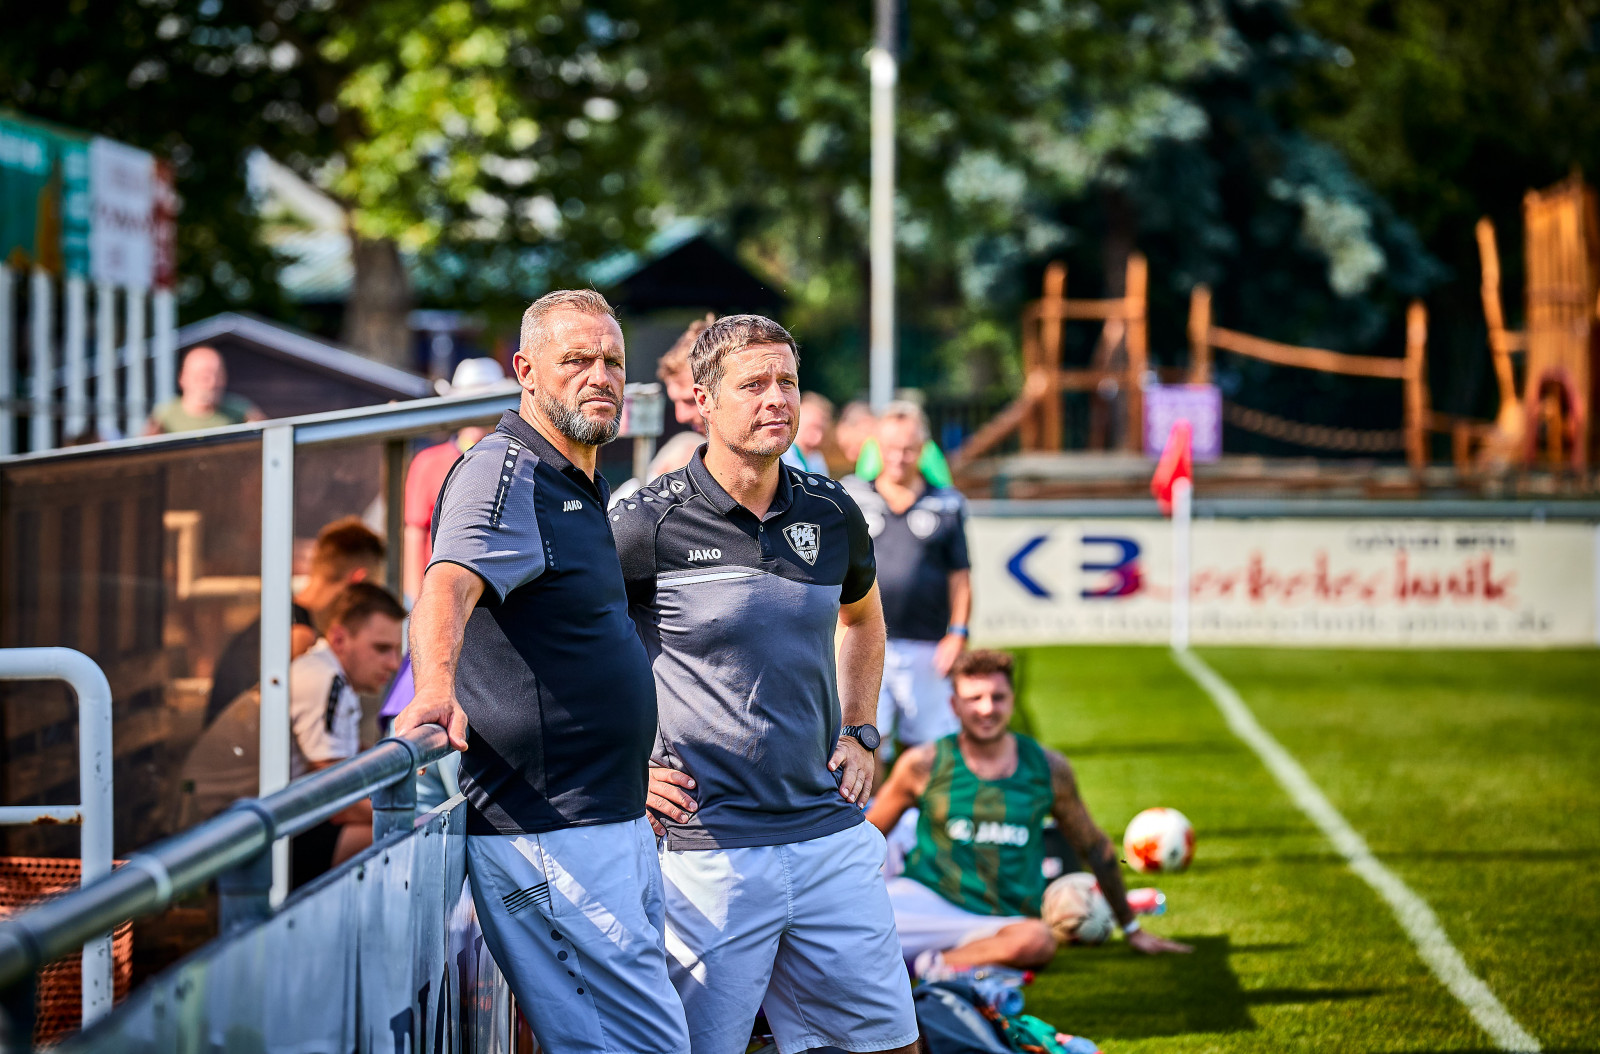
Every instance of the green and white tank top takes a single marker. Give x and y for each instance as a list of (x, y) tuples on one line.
[(978, 841)]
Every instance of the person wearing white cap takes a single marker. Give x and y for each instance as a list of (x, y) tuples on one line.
[(429, 467)]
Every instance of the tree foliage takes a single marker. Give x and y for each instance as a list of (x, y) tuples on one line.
[(1265, 147)]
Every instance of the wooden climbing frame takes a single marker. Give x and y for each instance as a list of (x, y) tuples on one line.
[(1412, 370), (1037, 413), (1562, 253)]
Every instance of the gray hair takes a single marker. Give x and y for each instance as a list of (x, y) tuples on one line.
[(728, 335), (536, 332), (905, 410)]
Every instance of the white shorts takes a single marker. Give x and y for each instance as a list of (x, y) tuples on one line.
[(925, 920), (574, 920), (804, 929), (914, 702)]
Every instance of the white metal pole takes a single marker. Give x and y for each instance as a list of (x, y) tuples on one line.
[(885, 71), (77, 357), (277, 565), (138, 399), (164, 348), (105, 361), (41, 316), (1182, 522), (8, 366), (94, 807)]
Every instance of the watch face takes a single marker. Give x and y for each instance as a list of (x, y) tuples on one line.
[(867, 736)]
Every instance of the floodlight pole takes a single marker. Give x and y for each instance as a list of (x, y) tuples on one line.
[(885, 71)]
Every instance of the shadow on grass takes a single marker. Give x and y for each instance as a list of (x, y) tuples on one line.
[(1112, 993)]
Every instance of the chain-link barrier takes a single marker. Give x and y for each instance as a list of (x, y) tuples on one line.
[(1357, 440)]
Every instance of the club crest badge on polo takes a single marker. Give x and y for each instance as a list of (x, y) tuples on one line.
[(804, 539), (922, 523)]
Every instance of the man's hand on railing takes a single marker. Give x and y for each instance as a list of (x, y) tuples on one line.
[(435, 707)]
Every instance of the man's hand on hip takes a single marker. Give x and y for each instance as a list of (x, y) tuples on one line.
[(668, 795), (435, 708), (855, 765)]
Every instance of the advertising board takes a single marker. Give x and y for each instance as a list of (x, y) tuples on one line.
[(1366, 583)]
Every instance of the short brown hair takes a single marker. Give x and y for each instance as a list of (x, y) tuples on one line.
[(675, 360), (344, 545), (534, 330), (982, 662), (731, 334), (359, 601)]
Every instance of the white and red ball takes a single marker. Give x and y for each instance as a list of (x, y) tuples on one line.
[(1076, 911), (1158, 840)]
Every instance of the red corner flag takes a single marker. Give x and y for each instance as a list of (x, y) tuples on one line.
[(1176, 463)]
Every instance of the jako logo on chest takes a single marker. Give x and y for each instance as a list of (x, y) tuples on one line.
[(705, 554), (572, 505)]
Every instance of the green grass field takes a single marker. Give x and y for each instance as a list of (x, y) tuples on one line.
[(1474, 776)]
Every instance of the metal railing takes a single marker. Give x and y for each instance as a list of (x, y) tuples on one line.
[(234, 848), (94, 809)]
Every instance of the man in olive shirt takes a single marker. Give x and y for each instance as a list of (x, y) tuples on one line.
[(205, 402)]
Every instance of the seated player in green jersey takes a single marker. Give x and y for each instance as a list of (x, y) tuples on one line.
[(971, 890)]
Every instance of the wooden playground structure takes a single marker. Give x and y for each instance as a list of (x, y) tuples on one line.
[(1554, 397), (1544, 415)]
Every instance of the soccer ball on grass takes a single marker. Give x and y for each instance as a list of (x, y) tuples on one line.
[(1158, 840), (1076, 911)]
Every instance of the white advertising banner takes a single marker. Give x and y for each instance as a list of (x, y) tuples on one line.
[(122, 189), (1367, 583)]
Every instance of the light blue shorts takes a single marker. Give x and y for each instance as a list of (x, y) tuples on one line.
[(574, 920), (804, 930)]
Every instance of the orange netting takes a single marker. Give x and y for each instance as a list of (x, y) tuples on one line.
[(25, 880)]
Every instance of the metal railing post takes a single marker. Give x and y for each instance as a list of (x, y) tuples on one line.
[(277, 566), (394, 808), (89, 683), (244, 893)]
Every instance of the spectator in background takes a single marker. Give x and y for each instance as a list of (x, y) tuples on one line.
[(919, 540), (930, 461), (816, 420), (204, 402), (857, 424), (673, 371), (358, 657), (347, 551), (429, 468)]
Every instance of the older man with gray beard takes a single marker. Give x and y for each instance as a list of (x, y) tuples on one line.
[(523, 649)]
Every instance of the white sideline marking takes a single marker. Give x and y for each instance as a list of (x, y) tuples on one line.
[(1412, 912)]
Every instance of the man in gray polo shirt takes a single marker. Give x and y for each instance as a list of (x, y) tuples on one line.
[(738, 570), (523, 649)]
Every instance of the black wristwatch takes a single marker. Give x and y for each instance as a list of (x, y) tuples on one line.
[(866, 735)]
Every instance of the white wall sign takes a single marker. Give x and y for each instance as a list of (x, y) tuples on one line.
[(1304, 582), (122, 186)]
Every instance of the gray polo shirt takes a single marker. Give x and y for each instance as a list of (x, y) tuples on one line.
[(737, 615)]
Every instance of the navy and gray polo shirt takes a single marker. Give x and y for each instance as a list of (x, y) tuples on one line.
[(916, 551), (738, 616), (560, 703)]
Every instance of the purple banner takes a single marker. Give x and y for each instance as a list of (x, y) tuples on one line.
[(1200, 404)]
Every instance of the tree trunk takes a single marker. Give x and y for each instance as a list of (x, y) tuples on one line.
[(380, 299)]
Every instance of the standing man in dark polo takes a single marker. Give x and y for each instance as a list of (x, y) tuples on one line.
[(739, 569), (523, 649), (919, 536)]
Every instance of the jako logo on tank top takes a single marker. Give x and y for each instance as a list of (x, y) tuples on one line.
[(960, 829)]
